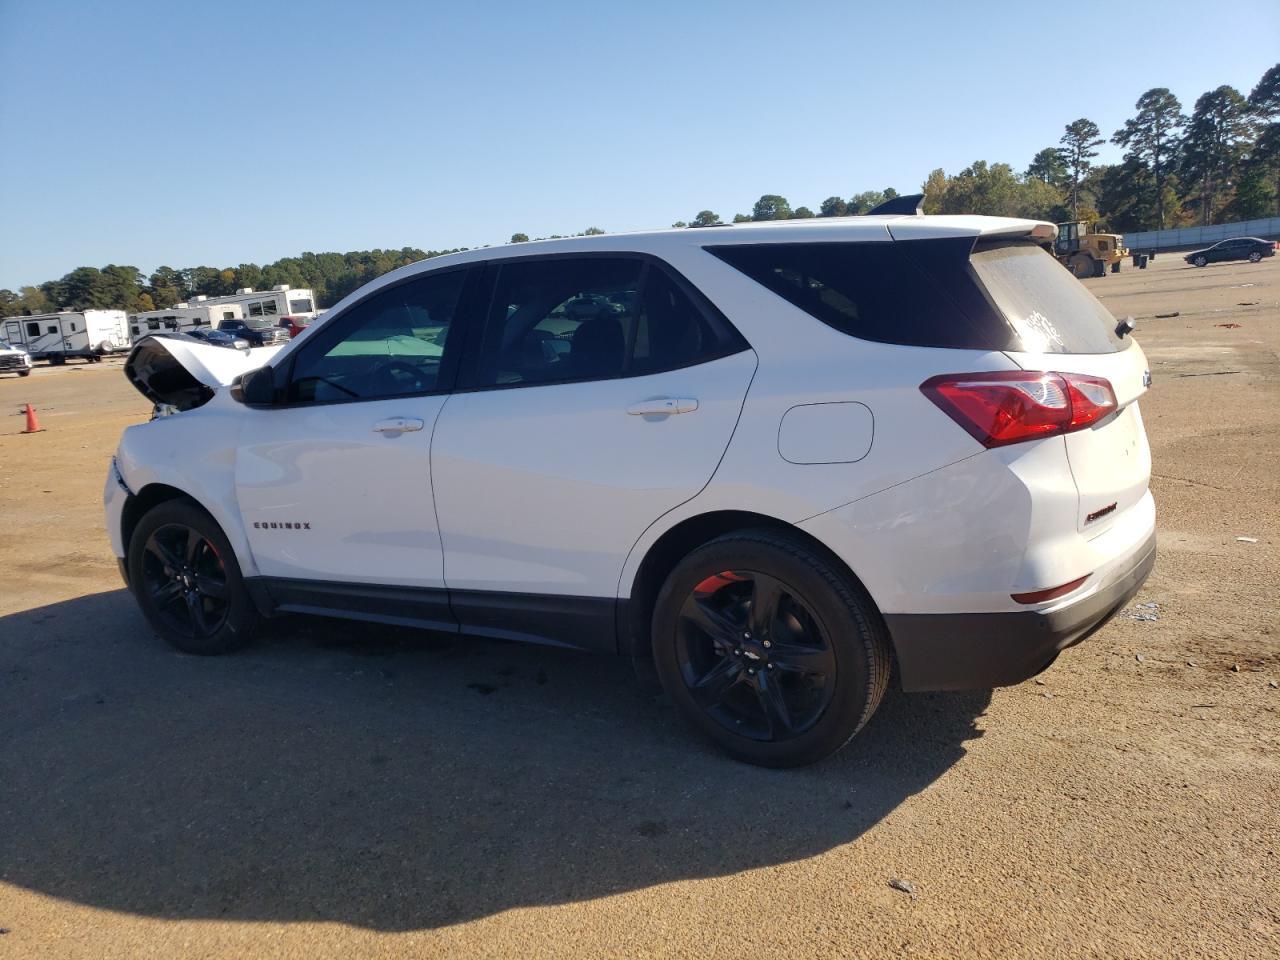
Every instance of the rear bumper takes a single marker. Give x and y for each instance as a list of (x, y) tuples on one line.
[(977, 651)]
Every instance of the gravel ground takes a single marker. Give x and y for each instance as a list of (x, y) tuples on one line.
[(342, 790)]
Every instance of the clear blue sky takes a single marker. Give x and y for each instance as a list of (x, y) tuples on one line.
[(189, 133)]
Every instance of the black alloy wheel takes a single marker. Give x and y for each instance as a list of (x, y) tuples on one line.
[(769, 648), (753, 655), (183, 574)]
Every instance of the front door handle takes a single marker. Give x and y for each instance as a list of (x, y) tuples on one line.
[(393, 425), (663, 406)]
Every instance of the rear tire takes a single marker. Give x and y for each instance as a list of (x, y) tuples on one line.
[(768, 649), (1255, 257), (185, 577)]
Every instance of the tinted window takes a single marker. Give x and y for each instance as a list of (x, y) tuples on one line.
[(671, 331), (931, 293), (561, 319), (33, 329), (255, 308), (269, 307), (392, 344), (594, 318)]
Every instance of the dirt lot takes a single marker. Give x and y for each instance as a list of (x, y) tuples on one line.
[(348, 791)]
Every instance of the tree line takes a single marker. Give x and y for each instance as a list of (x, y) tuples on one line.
[(1220, 163)]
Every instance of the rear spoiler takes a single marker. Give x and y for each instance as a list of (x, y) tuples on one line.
[(912, 205)]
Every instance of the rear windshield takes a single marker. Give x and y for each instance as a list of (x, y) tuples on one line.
[(1051, 311), (935, 293)]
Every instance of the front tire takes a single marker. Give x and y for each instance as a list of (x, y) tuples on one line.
[(768, 649), (1201, 261), (185, 578)]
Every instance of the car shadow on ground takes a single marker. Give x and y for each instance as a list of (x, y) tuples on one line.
[(392, 779)]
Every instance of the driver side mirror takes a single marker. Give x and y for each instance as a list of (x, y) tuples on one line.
[(256, 388)]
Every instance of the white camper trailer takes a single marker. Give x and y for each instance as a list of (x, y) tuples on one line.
[(280, 301), (88, 334), (182, 317)]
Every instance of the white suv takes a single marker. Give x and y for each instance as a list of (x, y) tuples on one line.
[(778, 460)]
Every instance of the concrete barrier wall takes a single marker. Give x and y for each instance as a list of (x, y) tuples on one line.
[(1188, 238)]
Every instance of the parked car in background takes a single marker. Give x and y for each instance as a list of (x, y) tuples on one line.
[(14, 359), (295, 324), (775, 461), (1239, 248), (259, 331), (219, 338)]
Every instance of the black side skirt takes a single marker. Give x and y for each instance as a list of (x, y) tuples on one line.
[(585, 623)]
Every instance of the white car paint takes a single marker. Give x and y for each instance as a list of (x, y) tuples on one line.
[(558, 490)]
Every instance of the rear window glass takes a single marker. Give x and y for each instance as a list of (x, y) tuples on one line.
[(1050, 310), (934, 293)]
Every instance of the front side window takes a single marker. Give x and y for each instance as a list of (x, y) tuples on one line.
[(564, 319), (33, 329), (390, 345), (255, 308)]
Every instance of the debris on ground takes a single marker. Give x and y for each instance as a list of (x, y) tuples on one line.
[(1235, 668), (1229, 326), (1166, 316), (1246, 539), (1248, 303), (1046, 694), (906, 886), (1139, 657), (1273, 685), (1039, 682), (1146, 611)]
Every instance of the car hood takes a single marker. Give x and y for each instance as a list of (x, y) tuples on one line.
[(185, 374)]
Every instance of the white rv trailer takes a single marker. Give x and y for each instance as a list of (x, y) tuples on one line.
[(280, 301), (88, 334), (182, 317)]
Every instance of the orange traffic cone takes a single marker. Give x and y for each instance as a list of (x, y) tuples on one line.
[(33, 423)]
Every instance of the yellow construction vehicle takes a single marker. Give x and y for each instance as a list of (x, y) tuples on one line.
[(1087, 253)]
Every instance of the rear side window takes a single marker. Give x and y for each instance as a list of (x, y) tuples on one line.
[(562, 319), (934, 293)]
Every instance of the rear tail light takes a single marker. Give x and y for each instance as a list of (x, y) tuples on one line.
[(1012, 406)]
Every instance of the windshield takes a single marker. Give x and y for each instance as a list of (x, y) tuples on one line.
[(1051, 310)]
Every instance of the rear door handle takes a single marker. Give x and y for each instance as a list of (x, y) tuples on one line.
[(398, 425), (663, 406)]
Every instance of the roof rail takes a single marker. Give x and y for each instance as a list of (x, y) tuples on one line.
[(912, 205)]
